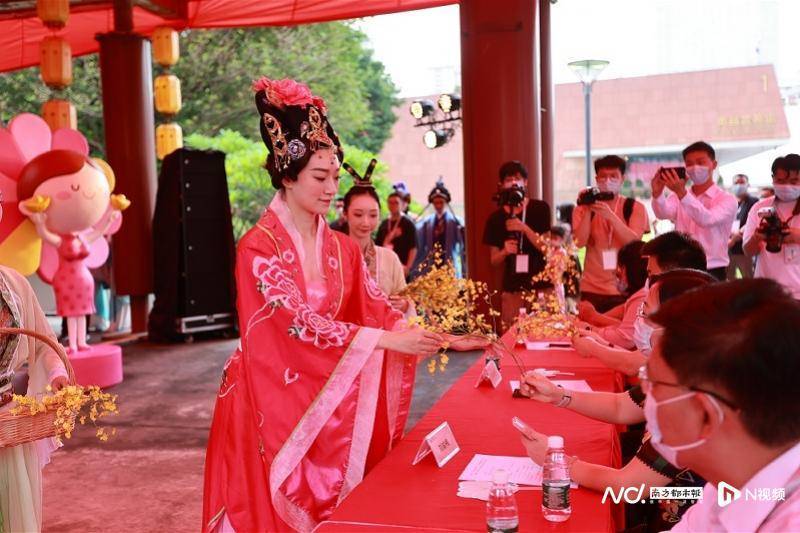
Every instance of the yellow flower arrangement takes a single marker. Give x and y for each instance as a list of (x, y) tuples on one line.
[(73, 402), (449, 305)]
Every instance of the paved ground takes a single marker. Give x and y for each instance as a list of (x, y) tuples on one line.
[(150, 476)]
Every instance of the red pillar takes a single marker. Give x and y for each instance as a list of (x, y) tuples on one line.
[(127, 87), (499, 76), (548, 105)]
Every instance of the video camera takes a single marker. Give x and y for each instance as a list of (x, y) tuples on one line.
[(512, 196), (772, 227), (591, 195)]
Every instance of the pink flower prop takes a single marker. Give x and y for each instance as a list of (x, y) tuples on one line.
[(288, 92)]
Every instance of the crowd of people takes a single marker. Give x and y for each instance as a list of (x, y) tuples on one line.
[(319, 388), (709, 362), (680, 315)]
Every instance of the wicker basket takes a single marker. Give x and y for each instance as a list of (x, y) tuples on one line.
[(22, 428)]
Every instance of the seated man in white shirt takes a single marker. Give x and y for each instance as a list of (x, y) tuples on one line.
[(772, 231), (721, 398), (705, 212)]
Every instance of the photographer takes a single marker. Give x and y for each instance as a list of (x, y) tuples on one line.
[(512, 232), (604, 222), (706, 212), (772, 231)]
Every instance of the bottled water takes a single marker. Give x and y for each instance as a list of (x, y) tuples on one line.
[(501, 509), (555, 482)]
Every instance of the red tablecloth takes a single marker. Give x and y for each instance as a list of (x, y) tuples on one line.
[(396, 496)]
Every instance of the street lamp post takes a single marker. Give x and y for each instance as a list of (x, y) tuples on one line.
[(587, 71)]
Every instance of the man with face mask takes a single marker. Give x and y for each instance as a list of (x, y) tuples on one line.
[(722, 399), (739, 261), (782, 265), (705, 211), (604, 227)]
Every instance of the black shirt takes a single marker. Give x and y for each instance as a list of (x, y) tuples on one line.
[(537, 217), (741, 215), (403, 244)]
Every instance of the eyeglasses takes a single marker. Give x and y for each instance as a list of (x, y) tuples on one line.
[(647, 384)]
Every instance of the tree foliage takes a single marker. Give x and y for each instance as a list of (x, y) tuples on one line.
[(249, 185), (216, 69)]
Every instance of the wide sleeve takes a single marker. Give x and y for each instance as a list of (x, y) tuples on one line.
[(44, 364)]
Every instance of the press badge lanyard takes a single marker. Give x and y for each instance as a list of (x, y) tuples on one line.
[(611, 226), (521, 234)]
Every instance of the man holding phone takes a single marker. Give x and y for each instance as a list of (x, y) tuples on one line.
[(704, 211)]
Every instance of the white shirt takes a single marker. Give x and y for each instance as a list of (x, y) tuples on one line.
[(708, 218), (747, 514), (784, 266)]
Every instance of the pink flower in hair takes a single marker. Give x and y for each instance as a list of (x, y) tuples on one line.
[(285, 92)]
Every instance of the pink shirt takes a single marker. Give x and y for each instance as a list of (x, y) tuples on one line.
[(708, 218), (746, 514), (595, 278), (784, 266), (622, 334)]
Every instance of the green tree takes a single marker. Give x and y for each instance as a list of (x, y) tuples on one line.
[(249, 184), (216, 69)]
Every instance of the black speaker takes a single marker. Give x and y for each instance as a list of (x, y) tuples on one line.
[(194, 249)]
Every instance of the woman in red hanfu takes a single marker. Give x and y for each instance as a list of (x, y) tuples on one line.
[(320, 385)]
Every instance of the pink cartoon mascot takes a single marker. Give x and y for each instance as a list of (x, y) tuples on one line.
[(65, 209)]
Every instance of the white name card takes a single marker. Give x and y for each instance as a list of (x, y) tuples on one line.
[(490, 374), (441, 443)]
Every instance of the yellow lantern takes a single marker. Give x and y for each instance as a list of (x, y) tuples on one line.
[(54, 13), (56, 66), (167, 94), (169, 137), (166, 50), (60, 114)]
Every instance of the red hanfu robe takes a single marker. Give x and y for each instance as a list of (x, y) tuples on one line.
[(307, 396)]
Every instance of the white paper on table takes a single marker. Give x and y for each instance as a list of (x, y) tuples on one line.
[(521, 470), (544, 345), (578, 385)]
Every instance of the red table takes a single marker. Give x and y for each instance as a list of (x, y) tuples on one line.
[(396, 496)]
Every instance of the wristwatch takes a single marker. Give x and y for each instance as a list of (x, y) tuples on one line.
[(566, 398)]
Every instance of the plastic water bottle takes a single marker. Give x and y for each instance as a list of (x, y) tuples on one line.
[(501, 509), (523, 314), (555, 482)]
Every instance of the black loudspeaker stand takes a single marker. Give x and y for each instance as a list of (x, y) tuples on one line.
[(194, 249)]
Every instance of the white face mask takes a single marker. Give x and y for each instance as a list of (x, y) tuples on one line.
[(786, 192), (669, 452), (739, 189), (610, 185), (642, 333), (698, 174)]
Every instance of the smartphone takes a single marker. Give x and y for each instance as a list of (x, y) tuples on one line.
[(680, 171), (521, 426)]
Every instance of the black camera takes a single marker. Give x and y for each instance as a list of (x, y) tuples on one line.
[(772, 227), (592, 195), (512, 196)]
